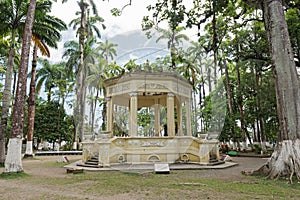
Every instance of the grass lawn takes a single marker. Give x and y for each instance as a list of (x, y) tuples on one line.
[(49, 180)]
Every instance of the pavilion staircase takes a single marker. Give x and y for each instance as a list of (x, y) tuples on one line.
[(213, 161), (91, 163)]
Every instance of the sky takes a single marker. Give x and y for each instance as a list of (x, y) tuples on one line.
[(128, 24), (129, 21)]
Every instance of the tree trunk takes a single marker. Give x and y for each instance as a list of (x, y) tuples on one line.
[(285, 160), (240, 106), (6, 102), (229, 97), (80, 78), (214, 43), (13, 162), (228, 90), (94, 109), (31, 106)]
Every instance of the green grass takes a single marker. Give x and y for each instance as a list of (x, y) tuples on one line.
[(181, 185), (189, 184), (14, 175)]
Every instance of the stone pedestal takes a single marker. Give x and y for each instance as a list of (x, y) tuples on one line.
[(104, 154)]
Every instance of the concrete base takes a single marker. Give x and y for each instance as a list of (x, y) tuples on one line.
[(144, 150)]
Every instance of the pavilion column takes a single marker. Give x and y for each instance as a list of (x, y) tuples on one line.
[(179, 119), (188, 118), (133, 114), (109, 116), (170, 115), (156, 117)]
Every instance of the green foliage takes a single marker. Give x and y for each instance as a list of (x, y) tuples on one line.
[(116, 12), (214, 110), (145, 122), (293, 21), (51, 123), (121, 117)]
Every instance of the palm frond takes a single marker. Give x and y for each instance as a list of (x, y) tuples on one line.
[(41, 45)]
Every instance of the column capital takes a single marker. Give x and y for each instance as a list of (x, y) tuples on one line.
[(171, 94), (133, 94)]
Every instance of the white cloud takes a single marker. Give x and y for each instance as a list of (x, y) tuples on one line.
[(130, 19)]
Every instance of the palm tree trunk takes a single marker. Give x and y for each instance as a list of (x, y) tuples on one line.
[(14, 83), (80, 96), (13, 162), (6, 102), (215, 47), (31, 106)]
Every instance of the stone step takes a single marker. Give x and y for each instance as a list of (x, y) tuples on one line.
[(213, 160), (216, 162), (91, 162), (89, 165)]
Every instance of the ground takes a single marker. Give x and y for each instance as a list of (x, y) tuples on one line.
[(48, 180)]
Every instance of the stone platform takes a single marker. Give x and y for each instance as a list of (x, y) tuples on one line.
[(149, 150), (150, 167)]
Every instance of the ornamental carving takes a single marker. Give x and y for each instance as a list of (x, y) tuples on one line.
[(119, 88), (154, 143)]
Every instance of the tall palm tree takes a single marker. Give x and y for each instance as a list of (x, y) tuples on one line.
[(13, 162), (46, 32), (107, 52), (13, 13), (95, 80), (72, 53), (80, 84)]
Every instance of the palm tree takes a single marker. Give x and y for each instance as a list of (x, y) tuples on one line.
[(64, 83), (72, 53), (13, 12), (91, 22), (174, 38), (107, 50), (46, 32), (95, 79), (48, 76), (12, 23), (80, 84), (13, 162), (4, 47)]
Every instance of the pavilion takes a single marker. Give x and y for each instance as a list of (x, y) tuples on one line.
[(171, 142)]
